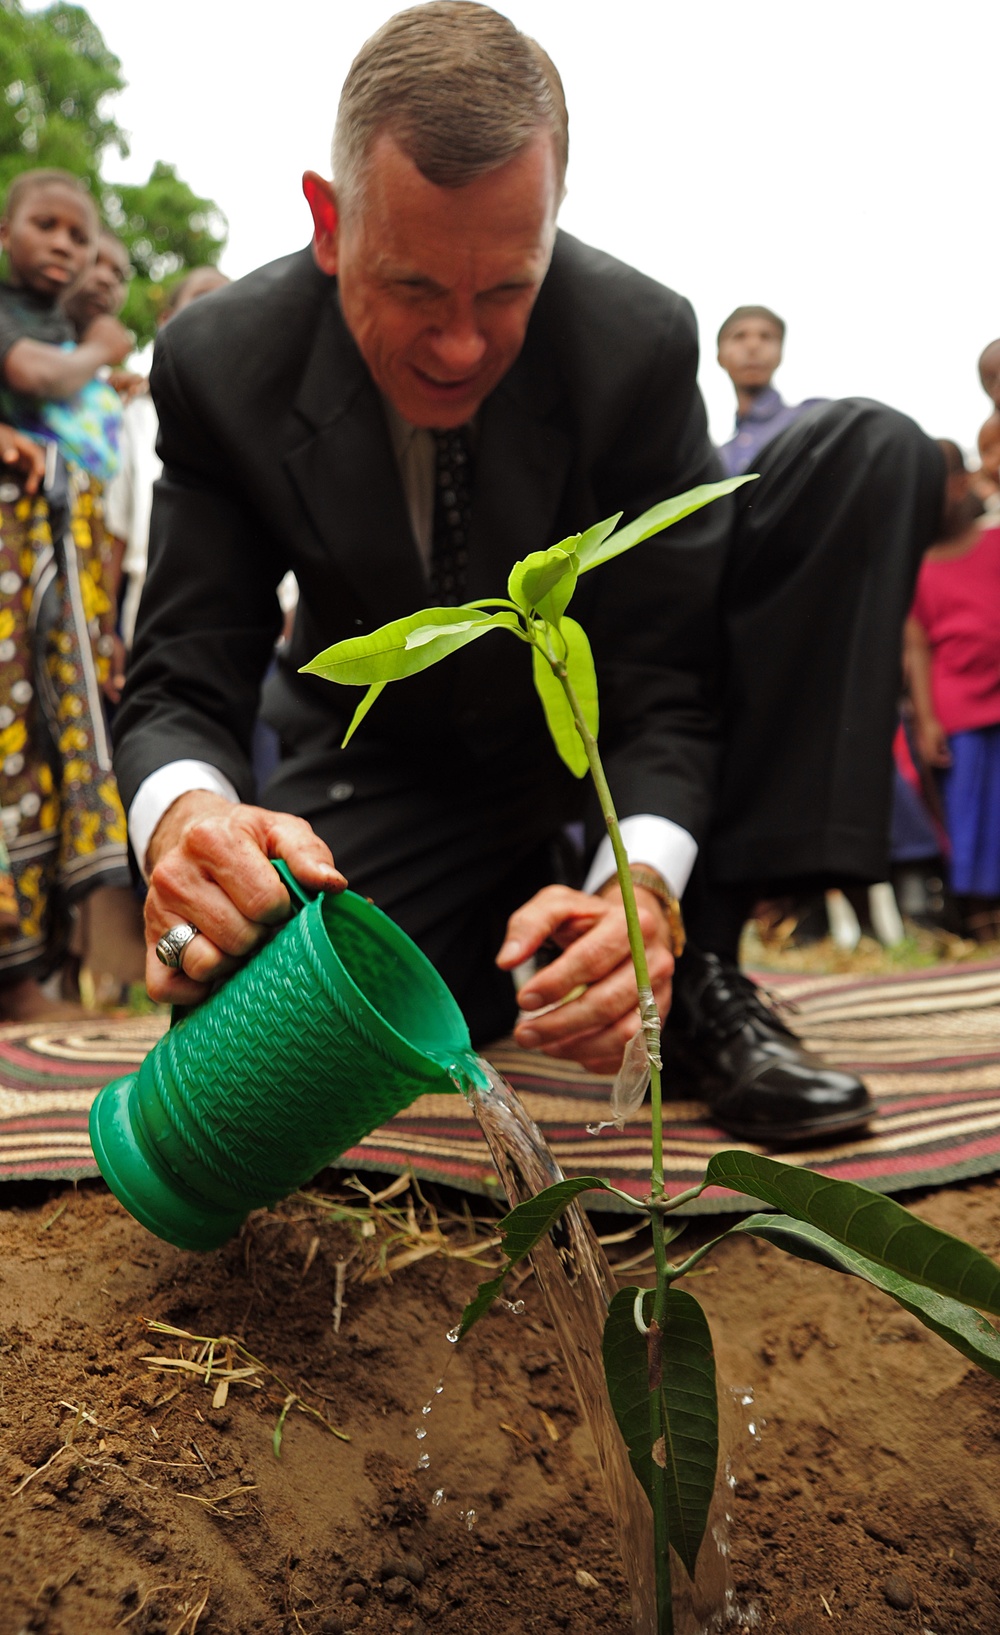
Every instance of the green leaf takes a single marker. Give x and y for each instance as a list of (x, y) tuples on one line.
[(528, 1222), (584, 543), (956, 1323), (430, 632), (481, 1302), (532, 580), (523, 1228), (688, 1412), (875, 1226), (582, 678), (544, 582), (361, 711), (656, 519), (389, 653)]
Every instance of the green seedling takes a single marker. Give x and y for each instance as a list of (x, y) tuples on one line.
[(658, 1359)]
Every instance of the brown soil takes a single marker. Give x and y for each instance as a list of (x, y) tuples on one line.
[(867, 1504)]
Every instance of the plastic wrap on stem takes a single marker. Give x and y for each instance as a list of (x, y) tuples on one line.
[(631, 1080), (650, 1017)]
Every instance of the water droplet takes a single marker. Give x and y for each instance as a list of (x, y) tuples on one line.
[(423, 1461), (427, 1407), (439, 1387), (421, 1433), (751, 1427), (437, 1496), (747, 1399), (469, 1519), (453, 1334)]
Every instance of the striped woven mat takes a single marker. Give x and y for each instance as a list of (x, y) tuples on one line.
[(926, 1042)]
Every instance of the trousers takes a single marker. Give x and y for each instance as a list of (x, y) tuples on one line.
[(820, 577)]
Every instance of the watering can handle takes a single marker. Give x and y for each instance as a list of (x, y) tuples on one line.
[(301, 896)]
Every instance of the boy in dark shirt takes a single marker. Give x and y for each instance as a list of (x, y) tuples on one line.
[(51, 235), (49, 230)]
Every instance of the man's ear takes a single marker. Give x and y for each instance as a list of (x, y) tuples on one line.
[(323, 205)]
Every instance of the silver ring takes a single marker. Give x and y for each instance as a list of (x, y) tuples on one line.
[(171, 946)]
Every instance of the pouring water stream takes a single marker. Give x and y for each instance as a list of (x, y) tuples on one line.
[(577, 1284)]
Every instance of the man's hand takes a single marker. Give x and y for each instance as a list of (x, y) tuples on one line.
[(210, 868), (22, 454), (115, 341), (595, 1027)]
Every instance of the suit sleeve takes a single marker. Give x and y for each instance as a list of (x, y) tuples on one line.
[(655, 620), (209, 615)]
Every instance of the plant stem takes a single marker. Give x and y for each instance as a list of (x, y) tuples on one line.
[(650, 1022)]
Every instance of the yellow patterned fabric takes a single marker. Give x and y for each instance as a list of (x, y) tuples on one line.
[(63, 823)]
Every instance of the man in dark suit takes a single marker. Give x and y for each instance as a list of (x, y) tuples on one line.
[(442, 386)]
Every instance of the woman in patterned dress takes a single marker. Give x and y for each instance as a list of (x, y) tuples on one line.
[(63, 825)]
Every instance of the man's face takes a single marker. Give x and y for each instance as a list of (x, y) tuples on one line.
[(750, 352), (51, 239), (102, 290), (437, 284)]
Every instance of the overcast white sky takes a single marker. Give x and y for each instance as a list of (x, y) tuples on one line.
[(840, 163)]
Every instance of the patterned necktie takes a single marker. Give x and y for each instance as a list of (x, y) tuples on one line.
[(452, 516)]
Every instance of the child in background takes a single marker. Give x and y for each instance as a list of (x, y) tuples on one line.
[(952, 659), (47, 381), (988, 476), (62, 818)]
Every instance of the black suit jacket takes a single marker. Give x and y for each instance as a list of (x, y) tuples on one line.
[(277, 455)]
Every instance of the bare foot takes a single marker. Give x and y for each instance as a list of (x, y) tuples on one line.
[(25, 1002)]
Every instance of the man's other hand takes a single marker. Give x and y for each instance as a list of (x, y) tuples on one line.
[(594, 1027), (210, 867)]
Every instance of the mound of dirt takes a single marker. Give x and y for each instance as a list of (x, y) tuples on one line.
[(149, 1498)]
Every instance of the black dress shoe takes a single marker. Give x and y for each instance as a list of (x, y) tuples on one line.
[(758, 1079)]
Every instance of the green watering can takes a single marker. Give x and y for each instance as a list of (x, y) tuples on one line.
[(337, 1023)]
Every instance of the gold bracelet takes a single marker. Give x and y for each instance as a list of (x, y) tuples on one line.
[(652, 880)]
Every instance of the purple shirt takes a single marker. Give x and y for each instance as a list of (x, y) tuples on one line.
[(767, 416)]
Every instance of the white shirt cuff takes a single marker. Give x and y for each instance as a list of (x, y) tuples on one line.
[(159, 791), (657, 841)]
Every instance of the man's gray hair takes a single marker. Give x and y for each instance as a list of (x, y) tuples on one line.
[(457, 86)]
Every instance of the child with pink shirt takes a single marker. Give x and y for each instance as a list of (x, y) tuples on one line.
[(953, 667)]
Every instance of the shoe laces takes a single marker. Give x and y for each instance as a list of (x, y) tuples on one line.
[(730, 1001)]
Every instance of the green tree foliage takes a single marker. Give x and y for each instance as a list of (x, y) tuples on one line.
[(168, 230), (57, 74), (58, 77)]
